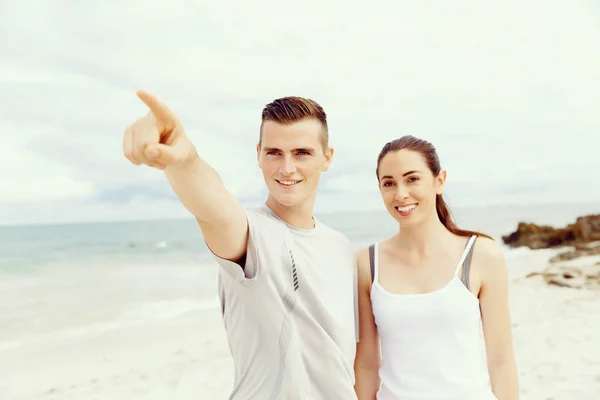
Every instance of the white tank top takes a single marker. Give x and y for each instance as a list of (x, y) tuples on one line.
[(432, 344)]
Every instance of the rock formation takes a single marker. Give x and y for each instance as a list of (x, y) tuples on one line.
[(586, 229), (584, 238)]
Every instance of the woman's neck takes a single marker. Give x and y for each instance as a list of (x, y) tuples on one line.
[(422, 237)]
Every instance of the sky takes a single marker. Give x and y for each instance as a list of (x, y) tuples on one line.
[(508, 92)]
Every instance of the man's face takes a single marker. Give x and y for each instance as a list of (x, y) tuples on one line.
[(292, 159)]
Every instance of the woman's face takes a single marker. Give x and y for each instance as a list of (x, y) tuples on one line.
[(408, 187)]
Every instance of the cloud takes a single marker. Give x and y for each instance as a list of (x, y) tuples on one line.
[(508, 94)]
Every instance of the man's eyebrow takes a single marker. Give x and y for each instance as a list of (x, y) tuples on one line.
[(307, 149)]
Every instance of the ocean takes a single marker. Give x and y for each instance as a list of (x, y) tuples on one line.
[(167, 242), (110, 268), (66, 284)]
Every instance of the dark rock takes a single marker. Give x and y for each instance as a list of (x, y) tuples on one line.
[(586, 229)]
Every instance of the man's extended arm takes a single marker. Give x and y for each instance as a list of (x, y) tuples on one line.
[(158, 140)]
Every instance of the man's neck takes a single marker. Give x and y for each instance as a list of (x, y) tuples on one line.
[(299, 216)]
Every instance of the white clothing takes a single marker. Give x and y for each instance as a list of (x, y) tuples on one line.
[(431, 343), (291, 313)]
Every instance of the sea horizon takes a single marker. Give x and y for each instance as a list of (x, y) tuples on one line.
[(583, 208), (179, 240)]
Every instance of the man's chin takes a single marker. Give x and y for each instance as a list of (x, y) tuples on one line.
[(286, 199)]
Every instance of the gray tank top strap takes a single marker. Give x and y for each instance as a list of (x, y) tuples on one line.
[(465, 270), (467, 265), (372, 261)]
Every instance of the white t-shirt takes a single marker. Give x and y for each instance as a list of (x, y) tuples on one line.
[(291, 314)]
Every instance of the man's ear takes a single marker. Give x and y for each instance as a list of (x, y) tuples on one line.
[(328, 158)]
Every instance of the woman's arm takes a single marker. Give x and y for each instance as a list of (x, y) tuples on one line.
[(495, 312), (368, 358)]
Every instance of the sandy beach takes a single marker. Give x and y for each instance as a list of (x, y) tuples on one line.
[(120, 353), (556, 333)]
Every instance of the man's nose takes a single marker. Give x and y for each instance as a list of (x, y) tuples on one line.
[(287, 166)]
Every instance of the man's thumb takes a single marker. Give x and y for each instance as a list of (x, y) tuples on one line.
[(164, 154)]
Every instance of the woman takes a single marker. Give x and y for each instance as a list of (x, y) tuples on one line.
[(433, 298)]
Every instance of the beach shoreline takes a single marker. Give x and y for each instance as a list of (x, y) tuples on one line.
[(184, 354)]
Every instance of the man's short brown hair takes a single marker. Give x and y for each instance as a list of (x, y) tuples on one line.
[(287, 110)]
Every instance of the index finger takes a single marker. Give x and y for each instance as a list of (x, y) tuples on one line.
[(161, 112)]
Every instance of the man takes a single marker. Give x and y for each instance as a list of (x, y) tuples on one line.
[(287, 281)]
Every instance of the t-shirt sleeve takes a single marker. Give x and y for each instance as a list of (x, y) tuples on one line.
[(251, 267)]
